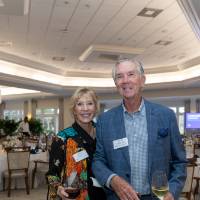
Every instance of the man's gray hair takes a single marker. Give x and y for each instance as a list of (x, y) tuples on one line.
[(138, 64)]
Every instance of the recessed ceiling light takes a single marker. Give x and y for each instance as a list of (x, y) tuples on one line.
[(64, 30), (58, 58), (87, 5), (1, 3), (149, 12), (174, 56), (164, 31), (5, 44), (163, 42), (181, 57)]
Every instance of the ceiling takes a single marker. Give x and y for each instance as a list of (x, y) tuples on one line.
[(54, 46)]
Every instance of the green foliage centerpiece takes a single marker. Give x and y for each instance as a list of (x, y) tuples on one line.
[(36, 126)]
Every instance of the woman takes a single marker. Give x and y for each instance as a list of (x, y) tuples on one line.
[(72, 152)]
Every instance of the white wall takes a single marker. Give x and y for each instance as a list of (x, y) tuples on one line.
[(166, 97), (47, 103), (14, 105)]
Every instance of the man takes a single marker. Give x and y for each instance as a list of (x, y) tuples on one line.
[(136, 139), (24, 127)]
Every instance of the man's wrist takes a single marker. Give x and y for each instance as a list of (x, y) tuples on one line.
[(108, 182)]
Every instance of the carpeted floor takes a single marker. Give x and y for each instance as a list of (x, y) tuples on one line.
[(35, 194)]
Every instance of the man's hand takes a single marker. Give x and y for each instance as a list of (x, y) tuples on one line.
[(168, 196), (123, 189)]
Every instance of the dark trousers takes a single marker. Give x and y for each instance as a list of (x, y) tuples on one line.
[(25, 133), (96, 193), (148, 197)]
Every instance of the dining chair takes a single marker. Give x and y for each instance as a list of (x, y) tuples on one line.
[(40, 167), (196, 180), (18, 164), (187, 189)]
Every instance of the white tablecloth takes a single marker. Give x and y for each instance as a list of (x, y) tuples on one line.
[(19, 183)]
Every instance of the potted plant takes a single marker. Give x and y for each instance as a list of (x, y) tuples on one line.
[(36, 126), (9, 126)]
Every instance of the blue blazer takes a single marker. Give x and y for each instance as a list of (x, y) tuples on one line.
[(165, 148)]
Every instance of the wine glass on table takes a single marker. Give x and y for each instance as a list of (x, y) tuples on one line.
[(159, 184)]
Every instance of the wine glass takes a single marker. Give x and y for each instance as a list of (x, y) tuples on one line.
[(72, 185), (159, 184)]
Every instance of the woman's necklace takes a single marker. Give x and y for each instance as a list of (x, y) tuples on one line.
[(92, 132)]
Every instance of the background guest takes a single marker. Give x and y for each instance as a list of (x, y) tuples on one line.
[(24, 127)]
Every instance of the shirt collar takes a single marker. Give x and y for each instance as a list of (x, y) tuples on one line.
[(141, 109)]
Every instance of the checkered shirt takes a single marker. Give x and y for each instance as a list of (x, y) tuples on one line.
[(136, 132)]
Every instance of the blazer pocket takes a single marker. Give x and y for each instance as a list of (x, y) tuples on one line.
[(163, 132)]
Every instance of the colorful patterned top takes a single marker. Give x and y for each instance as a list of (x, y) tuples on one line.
[(63, 167)]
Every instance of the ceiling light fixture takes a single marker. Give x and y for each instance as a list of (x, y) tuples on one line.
[(5, 44), (1, 3), (149, 12), (191, 9), (58, 58), (108, 53), (163, 42), (87, 5), (64, 30), (14, 7)]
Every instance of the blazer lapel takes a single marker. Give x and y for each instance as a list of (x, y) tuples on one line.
[(152, 131), (121, 133)]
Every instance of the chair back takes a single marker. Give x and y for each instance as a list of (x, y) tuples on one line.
[(18, 158), (188, 183)]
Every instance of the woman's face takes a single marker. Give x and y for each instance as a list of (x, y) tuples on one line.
[(85, 109)]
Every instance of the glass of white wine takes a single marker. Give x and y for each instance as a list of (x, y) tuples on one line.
[(159, 184)]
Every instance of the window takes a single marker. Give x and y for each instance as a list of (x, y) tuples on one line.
[(49, 118), (16, 115), (179, 111)]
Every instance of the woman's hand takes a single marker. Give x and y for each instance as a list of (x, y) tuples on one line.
[(61, 192)]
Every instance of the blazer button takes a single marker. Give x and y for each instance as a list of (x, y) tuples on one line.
[(127, 175)]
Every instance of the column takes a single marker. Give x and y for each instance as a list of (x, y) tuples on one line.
[(68, 117), (61, 113), (197, 105), (25, 108), (33, 108), (187, 105), (2, 108)]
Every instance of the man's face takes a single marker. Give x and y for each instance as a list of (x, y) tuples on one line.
[(129, 81)]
